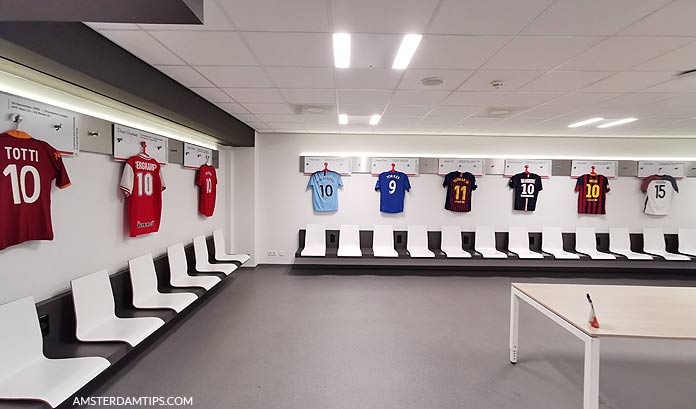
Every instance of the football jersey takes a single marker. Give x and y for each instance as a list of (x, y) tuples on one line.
[(142, 184), (526, 188), (324, 187), (659, 191), (206, 180), (459, 188), (28, 168), (392, 187), (592, 193)]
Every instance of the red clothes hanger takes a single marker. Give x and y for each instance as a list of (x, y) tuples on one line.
[(526, 169), (393, 169), (592, 171), (143, 146), (326, 167)]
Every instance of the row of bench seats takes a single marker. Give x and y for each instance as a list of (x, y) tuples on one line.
[(26, 373), (485, 246)]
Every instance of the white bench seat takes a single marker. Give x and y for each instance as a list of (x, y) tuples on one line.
[(518, 243), (349, 241), (315, 241), (552, 243), (654, 243), (178, 270), (485, 243), (620, 243), (203, 265), (221, 252), (145, 294), (451, 242), (687, 241), (417, 242), (25, 373), (383, 241), (586, 243), (95, 313)]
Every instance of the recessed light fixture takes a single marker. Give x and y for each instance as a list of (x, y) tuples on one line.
[(619, 122), (374, 119), (408, 47), (341, 46), (499, 112), (585, 122), (343, 119), (315, 110)]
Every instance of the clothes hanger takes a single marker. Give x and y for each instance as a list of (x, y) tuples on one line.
[(393, 167), (592, 171), (526, 169), (326, 168)]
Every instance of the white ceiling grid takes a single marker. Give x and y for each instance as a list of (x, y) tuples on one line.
[(561, 61)]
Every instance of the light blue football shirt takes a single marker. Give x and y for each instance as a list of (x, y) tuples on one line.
[(325, 190)]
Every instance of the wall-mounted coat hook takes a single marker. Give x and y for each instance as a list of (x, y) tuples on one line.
[(93, 133), (58, 127), (16, 118)]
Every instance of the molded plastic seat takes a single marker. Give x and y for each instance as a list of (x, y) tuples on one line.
[(349, 241), (221, 253), (552, 243), (687, 241), (200, 250), (383, 241), (654, 243), (518, 243), (586, 243), (96, 313), (315, 241), (451, 243), (25, 373), (620, 243), (417, 242), (145, 294), (178, 270), (485, 243)]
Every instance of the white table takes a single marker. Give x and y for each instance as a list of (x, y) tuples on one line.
[(623, 311)]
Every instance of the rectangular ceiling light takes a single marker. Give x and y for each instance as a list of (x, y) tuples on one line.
[(374, 119), (341, 46), (343, 119), (619, 122), (586, 122), (408, 47)]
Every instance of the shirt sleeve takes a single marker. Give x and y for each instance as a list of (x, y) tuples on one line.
[(127, 180), (538, 184), (578, 183), (310, 183), (646, 182), (606, 185), (446, 181), (407, 183), (474, 186), (164, 186), (199, 176), (511, 182), (673, 181), (62, 179), (339, 180), (379, 178)]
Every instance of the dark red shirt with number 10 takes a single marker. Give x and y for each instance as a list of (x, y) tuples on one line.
[(207, 185), (592, 193)]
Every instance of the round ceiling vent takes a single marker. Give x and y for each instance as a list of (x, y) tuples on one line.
[(432, 81)]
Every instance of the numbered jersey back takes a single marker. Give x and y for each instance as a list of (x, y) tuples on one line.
[(324, 187), (392, 188), (526, 188), (592, 193), (459, 189), (659, 191), (206, 179), (142, 184), (28, 168)]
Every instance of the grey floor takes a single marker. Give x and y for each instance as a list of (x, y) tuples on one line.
[(272, 340)]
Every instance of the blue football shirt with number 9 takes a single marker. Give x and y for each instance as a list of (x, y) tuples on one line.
[(324, 187), (392, 187)]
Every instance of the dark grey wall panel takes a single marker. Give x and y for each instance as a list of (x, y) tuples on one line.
[(216, 159), (628, 168), (176, 151), (95, 63), (96, 135)]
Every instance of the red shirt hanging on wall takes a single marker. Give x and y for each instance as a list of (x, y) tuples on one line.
[(206, 179), (142, 183), (27, 169), (592, 193)]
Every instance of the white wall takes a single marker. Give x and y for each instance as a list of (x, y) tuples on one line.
[(241, 176), (91, 231), (284, 206)]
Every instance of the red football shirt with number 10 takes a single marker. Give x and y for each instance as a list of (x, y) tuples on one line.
[(142, 183), (207, 182)]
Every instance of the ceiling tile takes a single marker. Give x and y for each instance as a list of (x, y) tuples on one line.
[(485, 17), (458, 52), (680, 85), (526, 99), (477, 123), (407, 110), (185, 75), (428, 98), (455, 112), (539, 52), (246, 118), (232, 108), (309, 96), (292, 49), (141, 45), (278, 15), (452, 79), (361, 78), (398, 121), (272, 118), (355, 96), (212, 94), (255, 94), (473, 98), (319, 119), (568, 103), (564, 81), (512, 80), (591, 17), (373, 50), (621, 53), (681, 59), (302, 77), (242, 77), (258, 108), (290, 126), (366, 16), (207, 47), (214, 19), (677, 18), (634, 100), (628, 82), (361, 109)]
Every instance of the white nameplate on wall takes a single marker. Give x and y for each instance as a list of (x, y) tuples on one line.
[(541, 167), (340, 165), (127, 143), (649, 168), (408, 166), (44, 122), (196, 156), (608, 168), (473, 166)]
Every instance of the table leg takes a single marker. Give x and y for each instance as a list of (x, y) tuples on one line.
[(591, 384), (514, 325)]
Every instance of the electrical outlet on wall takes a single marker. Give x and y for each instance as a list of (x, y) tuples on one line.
[(272, 253)]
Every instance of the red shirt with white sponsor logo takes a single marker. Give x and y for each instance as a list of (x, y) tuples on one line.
[(27, 169), (142, 183), (206, 179)]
